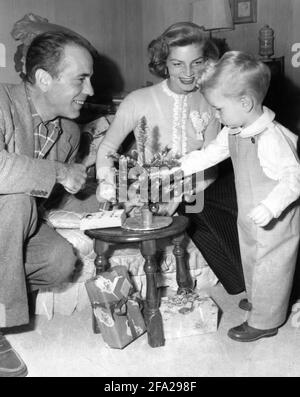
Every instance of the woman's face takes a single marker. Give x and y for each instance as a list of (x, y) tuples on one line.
[(185, 65)]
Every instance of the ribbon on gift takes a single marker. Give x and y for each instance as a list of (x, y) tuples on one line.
[(136, 298), (109, 286), (186, 301), (120, 308)]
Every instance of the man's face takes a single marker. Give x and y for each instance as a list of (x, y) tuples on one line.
[(68, 92)]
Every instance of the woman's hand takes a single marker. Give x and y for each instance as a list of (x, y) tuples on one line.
[(106, 190), (261, 215), (134, 199)]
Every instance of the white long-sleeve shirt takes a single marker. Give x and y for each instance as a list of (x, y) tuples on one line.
[(276, 154)]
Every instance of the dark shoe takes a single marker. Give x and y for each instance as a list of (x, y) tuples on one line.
[(245, 333), (245, 305), (11, 364)]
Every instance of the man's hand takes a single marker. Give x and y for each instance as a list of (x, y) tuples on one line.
[(71, 176), (261, 215)]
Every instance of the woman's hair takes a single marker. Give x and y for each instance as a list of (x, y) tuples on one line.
[(237, 73), (46, 52), (178, 35)]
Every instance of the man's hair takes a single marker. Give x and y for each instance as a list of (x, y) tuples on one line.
[(236, 74), (178, 35), (46, 52)]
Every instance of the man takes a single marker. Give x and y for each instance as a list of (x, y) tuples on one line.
[(38, 146)]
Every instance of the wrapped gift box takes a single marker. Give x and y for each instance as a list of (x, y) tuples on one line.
[(110, 286), (121, 323), (187, 315), (103, 219)]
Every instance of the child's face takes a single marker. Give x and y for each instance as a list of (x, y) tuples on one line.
[(228, 110)]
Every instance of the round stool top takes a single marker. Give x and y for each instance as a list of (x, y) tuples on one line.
[(119, 235)]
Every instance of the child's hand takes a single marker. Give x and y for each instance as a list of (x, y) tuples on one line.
[(167, 209), (261, 215), (164, 172)]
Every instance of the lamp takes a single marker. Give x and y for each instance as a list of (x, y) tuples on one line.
[(212, 15)]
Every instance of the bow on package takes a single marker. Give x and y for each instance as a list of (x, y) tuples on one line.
[(117, 311)]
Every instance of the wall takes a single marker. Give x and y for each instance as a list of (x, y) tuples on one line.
[(122, 30), (110, 25), (279, 15), (282, 15), (157, 15)]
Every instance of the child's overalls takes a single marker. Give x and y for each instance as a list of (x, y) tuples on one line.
[(268, 253)]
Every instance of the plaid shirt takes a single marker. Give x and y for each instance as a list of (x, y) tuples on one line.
[(45, 134)]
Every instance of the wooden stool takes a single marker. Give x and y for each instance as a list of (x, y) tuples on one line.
[(147, 240)]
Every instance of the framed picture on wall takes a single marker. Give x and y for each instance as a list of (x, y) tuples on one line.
[(244, 11)]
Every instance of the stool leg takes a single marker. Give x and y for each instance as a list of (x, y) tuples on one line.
[(183, 277), (101, 262), (102, 265), (152, 314)]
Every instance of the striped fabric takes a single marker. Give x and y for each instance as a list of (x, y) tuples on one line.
[(214, 231)]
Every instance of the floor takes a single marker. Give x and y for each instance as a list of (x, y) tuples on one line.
[(67, 347)]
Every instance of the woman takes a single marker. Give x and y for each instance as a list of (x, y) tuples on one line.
[(177, 115)]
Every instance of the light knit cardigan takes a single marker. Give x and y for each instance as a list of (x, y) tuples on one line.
[(181, 122)]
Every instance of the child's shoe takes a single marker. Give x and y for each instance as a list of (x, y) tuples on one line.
[(245, 333)]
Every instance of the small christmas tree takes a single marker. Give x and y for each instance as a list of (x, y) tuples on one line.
[(142, 139), (146, 172)]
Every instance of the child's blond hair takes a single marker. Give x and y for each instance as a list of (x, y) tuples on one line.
[(236, 74)]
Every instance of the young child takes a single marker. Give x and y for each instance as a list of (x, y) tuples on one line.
[(267, 177)]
